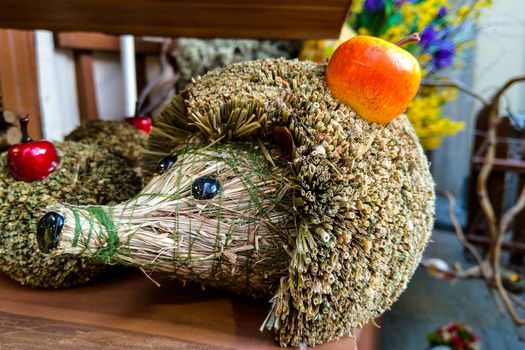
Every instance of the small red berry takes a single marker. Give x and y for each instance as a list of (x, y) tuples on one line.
[(141, 122), (31, 160)]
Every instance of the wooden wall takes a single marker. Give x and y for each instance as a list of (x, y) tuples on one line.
[(18, 81)]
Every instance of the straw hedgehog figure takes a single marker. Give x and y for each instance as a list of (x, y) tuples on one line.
[(270, 186)]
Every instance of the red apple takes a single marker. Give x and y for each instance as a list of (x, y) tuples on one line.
[(31, 160), (141, 122)]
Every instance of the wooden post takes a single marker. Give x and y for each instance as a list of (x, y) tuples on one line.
[(142, 78), (87, 98), (18, 79), (83, 46)]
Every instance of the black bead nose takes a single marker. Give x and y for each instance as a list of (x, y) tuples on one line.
[(48, 231), (166, 164)]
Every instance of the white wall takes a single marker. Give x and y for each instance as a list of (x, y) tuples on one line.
[(500, 50), (109, 86), (57, 87), (58, 90)]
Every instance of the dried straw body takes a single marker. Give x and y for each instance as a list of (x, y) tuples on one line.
[(360, 196), (119, 138)]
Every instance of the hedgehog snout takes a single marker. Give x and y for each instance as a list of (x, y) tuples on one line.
[(49, 231)]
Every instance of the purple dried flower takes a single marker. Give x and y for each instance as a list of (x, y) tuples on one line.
[(444, 55), (428, 37), (436, 44), (442, 12), (379, 5), (374, 5)]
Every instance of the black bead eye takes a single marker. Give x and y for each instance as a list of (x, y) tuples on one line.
[(166, 164), (205, 187)]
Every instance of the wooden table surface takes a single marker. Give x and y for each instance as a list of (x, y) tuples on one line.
[(127, 311)]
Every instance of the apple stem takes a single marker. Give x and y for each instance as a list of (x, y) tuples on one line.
[(24, 121), (410, 39)]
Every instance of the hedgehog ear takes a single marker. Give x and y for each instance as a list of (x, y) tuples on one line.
[(283, 138)]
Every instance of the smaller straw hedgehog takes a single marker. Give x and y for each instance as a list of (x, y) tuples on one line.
[(119, 138), (269, 186), (87, 174)]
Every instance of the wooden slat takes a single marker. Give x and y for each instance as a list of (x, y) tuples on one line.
[(129, 309), (505, 245), (502, 164), (102, 42), (18, 78), (518, 232), (87, 98), (21, 332), (285, 19)]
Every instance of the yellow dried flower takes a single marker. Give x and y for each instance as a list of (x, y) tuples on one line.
[(463, 11), (394, 33), (363, 31), (425, 115)]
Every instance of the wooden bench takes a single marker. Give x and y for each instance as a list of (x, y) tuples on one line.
[(126, 310)]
